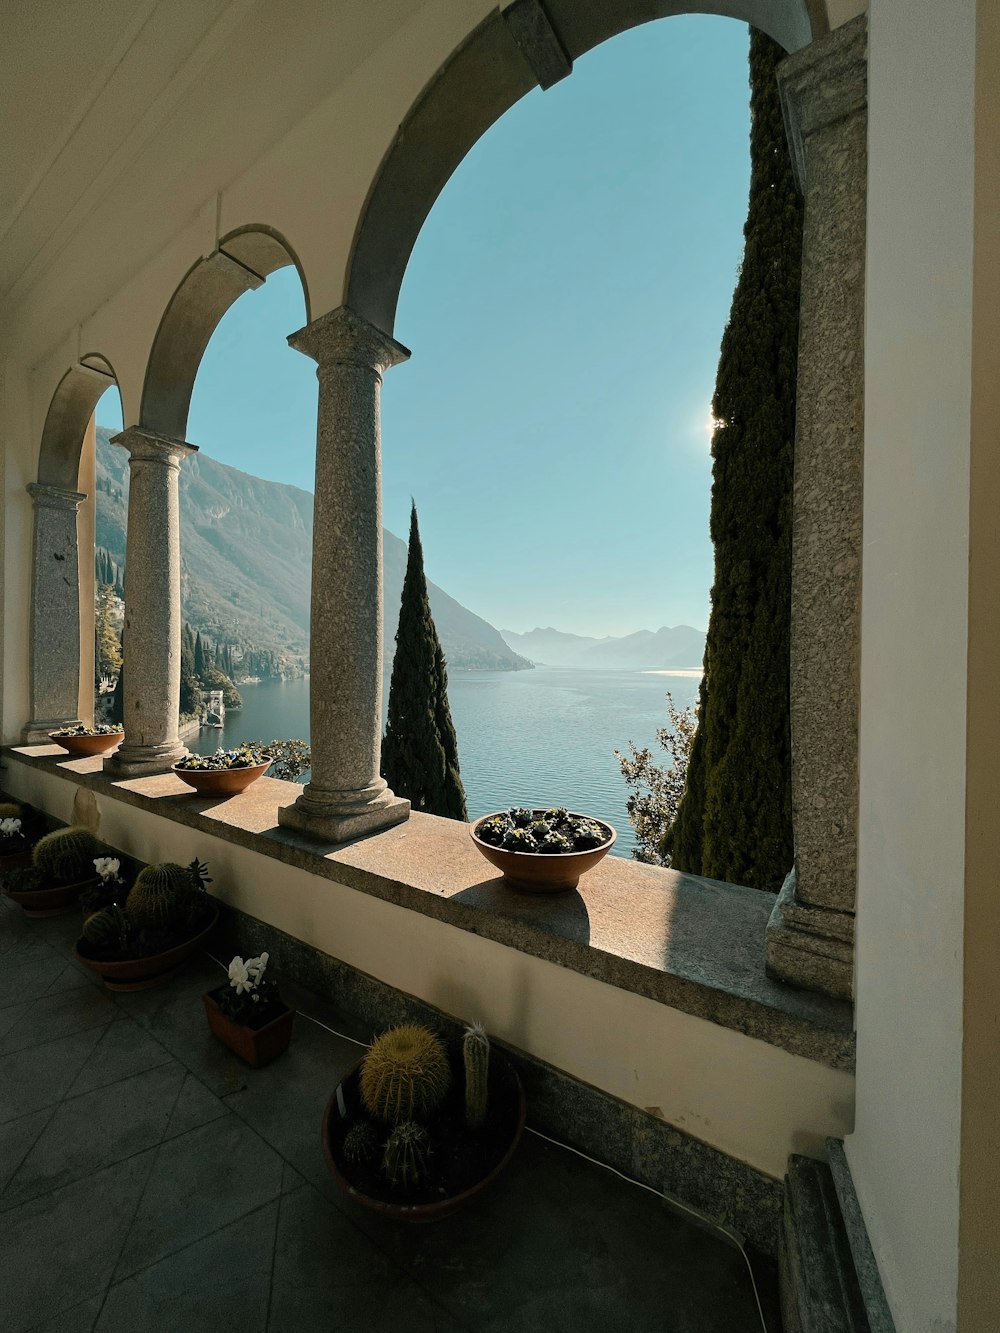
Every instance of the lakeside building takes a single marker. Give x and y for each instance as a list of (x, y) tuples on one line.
[(161, 159)]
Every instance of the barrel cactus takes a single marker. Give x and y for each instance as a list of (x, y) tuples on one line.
[(67, 855), (405, 1075), (361, 1143), (476, 1057), (406, 1155), (10, 810), (108, 929), (159, 898)]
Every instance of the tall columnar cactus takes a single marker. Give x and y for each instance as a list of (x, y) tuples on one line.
[(405, 1075), (476, 1056), (67, 855), (159, 897), (406, 1155)]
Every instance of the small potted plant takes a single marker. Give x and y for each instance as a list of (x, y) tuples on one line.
[(419, 1126), (15, 849), (225, 773), (248, 1014), (83, 741), (166, 915), (543, 851), (108, 889), (62, 867)]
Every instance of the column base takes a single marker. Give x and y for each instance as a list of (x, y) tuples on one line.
[(811, 947), (340, 816), (143, 761), (37, 731)]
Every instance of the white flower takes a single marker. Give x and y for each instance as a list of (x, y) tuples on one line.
[(255, 967), (107, 866), (8, 827), (238, 977), (255, 997)]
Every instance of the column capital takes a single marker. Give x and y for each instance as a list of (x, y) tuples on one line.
[(54, 497), (340, 337), (822, 83), (149, 447)]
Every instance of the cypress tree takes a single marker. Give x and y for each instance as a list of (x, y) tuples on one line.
[(199, 656), (420, 749), (735, 819)]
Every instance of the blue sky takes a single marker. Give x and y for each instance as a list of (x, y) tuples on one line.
[(564, 305)]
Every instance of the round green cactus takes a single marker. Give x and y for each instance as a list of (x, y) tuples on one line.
[(406, 1155), (67, 855), (159, 898), (361, 1143), (10, 810), (107, 929), (405, 1075)]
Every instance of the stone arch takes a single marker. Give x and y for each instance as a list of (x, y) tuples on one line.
[(242, 262), (54, 632), (530, 43)]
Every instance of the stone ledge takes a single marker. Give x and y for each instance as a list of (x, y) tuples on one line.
[(693, 944)]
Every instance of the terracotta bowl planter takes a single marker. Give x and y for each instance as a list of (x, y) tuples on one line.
[(52, 901), (15, 860), (129, 974), (222, 781), (82, 746), (345, 1107), (538, 872), (257, 1046)]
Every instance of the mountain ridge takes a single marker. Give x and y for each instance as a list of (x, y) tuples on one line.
[(676, 647)]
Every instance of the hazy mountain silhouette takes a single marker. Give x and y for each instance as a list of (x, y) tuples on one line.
[(670, 647)]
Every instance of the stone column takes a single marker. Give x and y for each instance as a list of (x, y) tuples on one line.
[(152, 641), (347, 796), (810, 938), (55, 611)]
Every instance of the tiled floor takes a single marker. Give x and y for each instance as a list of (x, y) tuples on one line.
[(149, 1181)]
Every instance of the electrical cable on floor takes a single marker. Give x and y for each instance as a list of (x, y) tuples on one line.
[(701, 1219)]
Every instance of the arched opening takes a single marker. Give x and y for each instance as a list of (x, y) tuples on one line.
[(61, 640)]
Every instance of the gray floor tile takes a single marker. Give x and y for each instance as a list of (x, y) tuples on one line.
[(80, 1319), (30, 976), (12, 1015), (97, 1128), (195, 1106), (40, 1076), (328, 1276), (17, 1138), (217, 1285), (59, 1250), (57, 1015), (124, 1049), (202, 1181)]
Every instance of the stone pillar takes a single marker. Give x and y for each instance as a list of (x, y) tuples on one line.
[(347, 796), (810, 938), (152, 641), (55, 612)]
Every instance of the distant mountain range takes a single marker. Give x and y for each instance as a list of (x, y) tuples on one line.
[(246, 552), (670, 647)]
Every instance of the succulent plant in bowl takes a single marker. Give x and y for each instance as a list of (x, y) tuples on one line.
[(544, 851), (224, 773)]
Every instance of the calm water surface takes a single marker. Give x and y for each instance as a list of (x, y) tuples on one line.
[(534, 738)]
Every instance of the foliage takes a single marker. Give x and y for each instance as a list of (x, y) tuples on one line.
[(289, 758), (247, 755), (547, 832), (249, 991), (655, 793), (213, 678), (476, 1059), (67, 855), (734, 821), (102, 729), (405, 1074), (420, 749), (107, 650)]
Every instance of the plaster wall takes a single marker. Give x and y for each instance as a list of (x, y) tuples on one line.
[(749, 1099), (905, 1152)]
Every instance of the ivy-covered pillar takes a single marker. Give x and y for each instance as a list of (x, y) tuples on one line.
[(152, 638), (55, 611), (347, 796), (810, 938)]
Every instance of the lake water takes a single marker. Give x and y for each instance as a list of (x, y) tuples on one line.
[(534, 738)]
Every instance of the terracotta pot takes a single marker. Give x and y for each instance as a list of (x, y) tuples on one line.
[(257, 1046), (52, 901), (538, 872), (129, 974), (345, 1103), (81, 746), (222, 781), (15, 860)]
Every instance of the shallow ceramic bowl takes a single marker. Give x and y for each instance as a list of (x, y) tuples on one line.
[(82, 746), (537, 872), (222, 781)]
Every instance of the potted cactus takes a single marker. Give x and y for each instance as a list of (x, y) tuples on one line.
[(542, 851), (15, 849), (82, 741), (248, 1014), (225, 773), (420, 1125), (62, 867), (166, 915)]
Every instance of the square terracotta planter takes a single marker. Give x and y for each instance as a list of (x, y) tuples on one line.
[(257, 1046)]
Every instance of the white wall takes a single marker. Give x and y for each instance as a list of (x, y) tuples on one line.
[(905, 1151)]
